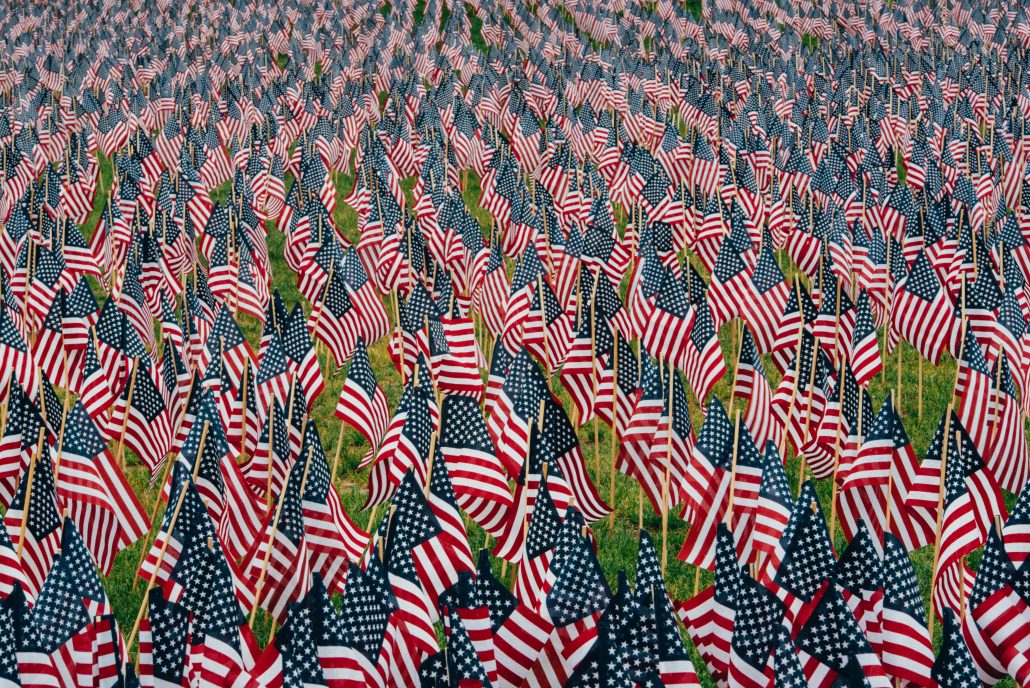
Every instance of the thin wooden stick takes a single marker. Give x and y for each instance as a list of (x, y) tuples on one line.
[(164, 545), (128, 411), (259, 587), (666, 477), (339, 445), (836, 448), (733, 468), (615, 424), (157, 502), (797, 374), (889, 500), (940, 514), (271, 452), (28, 492)]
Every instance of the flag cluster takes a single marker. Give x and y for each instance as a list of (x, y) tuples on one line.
[(711, 230)]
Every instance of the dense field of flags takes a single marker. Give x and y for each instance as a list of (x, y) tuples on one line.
[(771, 197)]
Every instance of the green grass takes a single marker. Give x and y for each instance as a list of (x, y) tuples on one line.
[(617, 539), (475, 28)]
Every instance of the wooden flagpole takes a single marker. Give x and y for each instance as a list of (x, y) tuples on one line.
[(733, 468), (940, 513), (666, 477), (128, 410), (28, 492), (615, 424), (259, 587), (164, 545), (164, 479)]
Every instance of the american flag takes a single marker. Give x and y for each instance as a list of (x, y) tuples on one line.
[(752, 384), (1017, 530), (20, 435), (96, 493), (774, 506), (703, 362), (63, 615), (362, 402), (785, 662), (351, 643), (300, 354), (770, 292), (709, 616), (996, 603), (759, 615), (459, 662), (273, 374), (141, 410), (1007, 455), (222, 644), (536, 545), (333, 538), (579, 589), (922, 311), (877, 480), (730, 286), (480, 483), (460, 606), (292, 659), (559, 446), (954, 666), (33, 520), (831, 645), (906, 648), (959, 484), (805, 559), (412, 525), (671, 329), (519, 632), (279, 564), (406, 444), (859, 575), (441, 561), (866, 361), (163, 642)]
